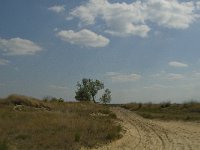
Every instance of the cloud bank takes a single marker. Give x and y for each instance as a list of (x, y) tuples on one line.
[(83, 37), (18, 46), (119, 77), (177, 64), (57, 8), (129, 19)]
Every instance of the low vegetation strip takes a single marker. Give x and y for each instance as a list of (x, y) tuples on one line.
[(188, 111), (27, 123)]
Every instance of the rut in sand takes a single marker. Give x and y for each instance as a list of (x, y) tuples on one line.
[(145, 134)]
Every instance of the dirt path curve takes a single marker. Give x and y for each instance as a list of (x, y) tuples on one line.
[(144, 134)]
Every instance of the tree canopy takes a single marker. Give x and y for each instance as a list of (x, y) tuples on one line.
[(87, 89), (106, 97)]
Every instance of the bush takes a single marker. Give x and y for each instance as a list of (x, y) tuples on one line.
[(146, 115), (113, 115), (139, 105), (77, 137), (52, 99), (3, 145), (165, 104)]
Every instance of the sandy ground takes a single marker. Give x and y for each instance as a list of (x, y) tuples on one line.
[(145, 134)]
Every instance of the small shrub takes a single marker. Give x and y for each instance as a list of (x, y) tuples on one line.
[(52, 99), (109, 136), (149, 104), (22, 136), (119, 128), (165, 104), (187, 118), (113, 115), (146, 115), (114, 133), (3, 145), (60, 100), (139, 105), (104, 111), (77, 137)]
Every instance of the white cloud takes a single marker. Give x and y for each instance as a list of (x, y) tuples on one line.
[(55, 29), (119, 77), (18, 46), (156, 86), (4, 62), (84, 38), (177, 64), (198, 5), (174, 76), (171, 14), (123, 19), (168, 76), (57, 8)]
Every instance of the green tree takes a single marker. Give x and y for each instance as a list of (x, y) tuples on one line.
[(82, 93), (106, 97), (88, 89)]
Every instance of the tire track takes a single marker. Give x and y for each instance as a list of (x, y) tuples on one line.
[(138, 131), (145, 134)]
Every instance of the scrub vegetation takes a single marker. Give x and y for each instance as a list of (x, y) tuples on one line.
[(188, 111), (29, 123)]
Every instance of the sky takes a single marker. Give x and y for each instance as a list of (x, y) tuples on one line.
[(143, 51)]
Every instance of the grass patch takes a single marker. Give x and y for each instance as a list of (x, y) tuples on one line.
[(77, 137), (3, 145), (45, 125), (188, 111)]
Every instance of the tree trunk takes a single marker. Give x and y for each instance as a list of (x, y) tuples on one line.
[(93, 99)]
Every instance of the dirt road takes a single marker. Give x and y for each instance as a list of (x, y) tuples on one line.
[(144, 134)]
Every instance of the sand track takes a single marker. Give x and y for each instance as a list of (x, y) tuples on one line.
[(145, 134)]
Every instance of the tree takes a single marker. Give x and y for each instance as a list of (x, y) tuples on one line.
[(88, 89), (82, 94), (94, 87), (106, 97)]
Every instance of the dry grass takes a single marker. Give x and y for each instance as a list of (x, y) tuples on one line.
[(43, 125), (188, 111)]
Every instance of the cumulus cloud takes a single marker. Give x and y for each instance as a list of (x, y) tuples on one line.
[(18, 46), (168, 76), (121, 19), (83, 37), (4, 62), (57, 8), (174, 76), (177, 64), (171, 14), (127, 19), (119, 77)]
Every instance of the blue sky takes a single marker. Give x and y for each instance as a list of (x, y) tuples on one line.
[(146, 50)]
